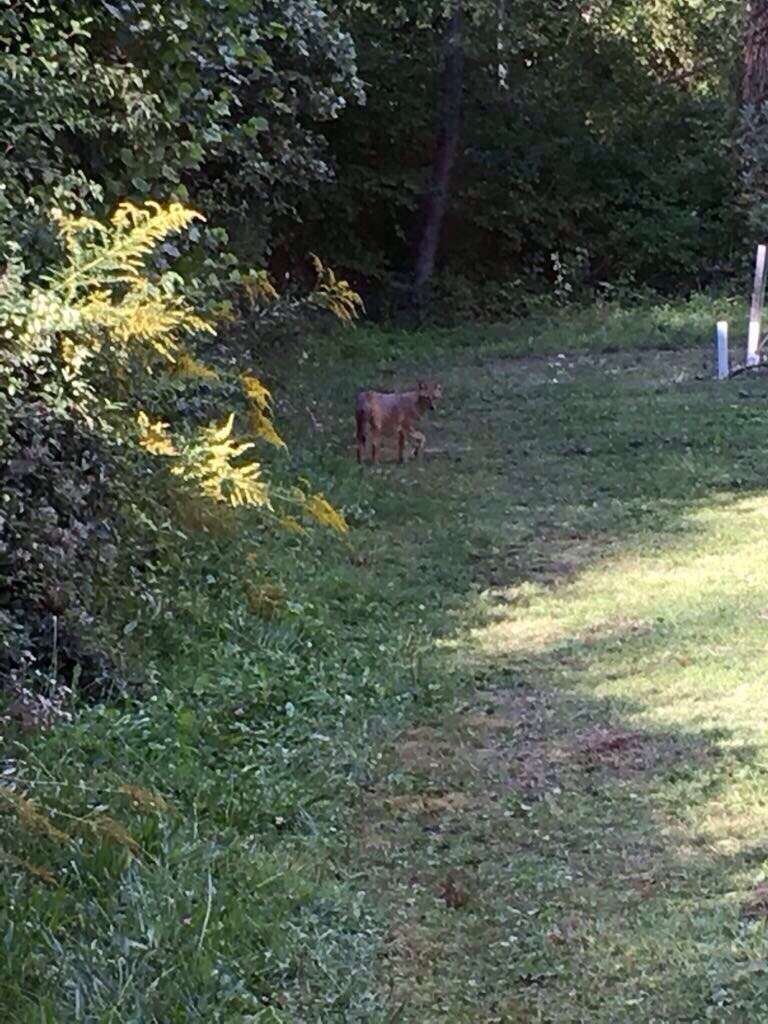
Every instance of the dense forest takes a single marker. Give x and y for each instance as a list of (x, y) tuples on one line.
[(563, 146), (208, 208)]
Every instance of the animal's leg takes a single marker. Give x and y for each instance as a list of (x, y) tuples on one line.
[(418, 442), (400, 444), (375, 444), (361, 435)]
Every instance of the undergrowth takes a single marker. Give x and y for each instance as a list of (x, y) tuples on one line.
[(608, 326)]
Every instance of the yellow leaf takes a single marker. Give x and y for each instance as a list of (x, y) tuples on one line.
[(333, 294), (223, 432), (154, 437), (291, 525), (32, 869), (262, 426), (107, 828), (31, 818), (325, 514), (259, 288), (265, 600), (186, 365), (255, 390), (145, 799)]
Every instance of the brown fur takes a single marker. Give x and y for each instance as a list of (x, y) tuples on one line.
[(380, 414)]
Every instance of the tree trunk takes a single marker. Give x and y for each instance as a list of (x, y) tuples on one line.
[(754, 89), (752, 138), (449, 130)]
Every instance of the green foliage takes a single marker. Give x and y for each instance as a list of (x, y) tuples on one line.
[(204, 101), (592, 139), (247, 744), (84, 348), (188, 848), (223, 105), (59, 547)]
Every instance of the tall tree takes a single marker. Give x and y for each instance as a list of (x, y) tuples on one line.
[(447, 144), (630, 100), (755, 78), (752, 142)]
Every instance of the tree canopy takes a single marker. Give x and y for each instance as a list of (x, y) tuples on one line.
[(595, 142)]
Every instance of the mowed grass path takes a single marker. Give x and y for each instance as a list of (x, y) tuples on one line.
[(584, 838), (498, 756)]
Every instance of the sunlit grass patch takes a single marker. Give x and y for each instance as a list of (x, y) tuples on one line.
[(615, 816)]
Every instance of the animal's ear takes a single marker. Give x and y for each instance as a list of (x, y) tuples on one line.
[(423, 387)]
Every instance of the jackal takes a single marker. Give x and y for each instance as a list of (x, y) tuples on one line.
[(378, 413)]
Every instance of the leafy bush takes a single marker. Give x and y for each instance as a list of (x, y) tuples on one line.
[(202, 101), (83, 347), (60, 487)]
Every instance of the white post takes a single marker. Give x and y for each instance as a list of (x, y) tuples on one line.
[(756, 312), (721, 349)]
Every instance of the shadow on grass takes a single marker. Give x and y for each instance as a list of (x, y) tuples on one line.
[(578, 843), (541, 851)]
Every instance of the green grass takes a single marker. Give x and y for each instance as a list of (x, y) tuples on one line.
[(501, 757), (607, 327)]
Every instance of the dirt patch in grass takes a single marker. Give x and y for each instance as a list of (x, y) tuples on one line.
[(549, 561), (526, 740), (515, 849), (513, 740), (755, 908), (423, 748), (617, 749), (429, 804)]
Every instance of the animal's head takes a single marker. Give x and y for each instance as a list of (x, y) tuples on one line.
[(429, 393)]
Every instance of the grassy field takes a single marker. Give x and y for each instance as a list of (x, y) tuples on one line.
[(584, 839), (500, 757)]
